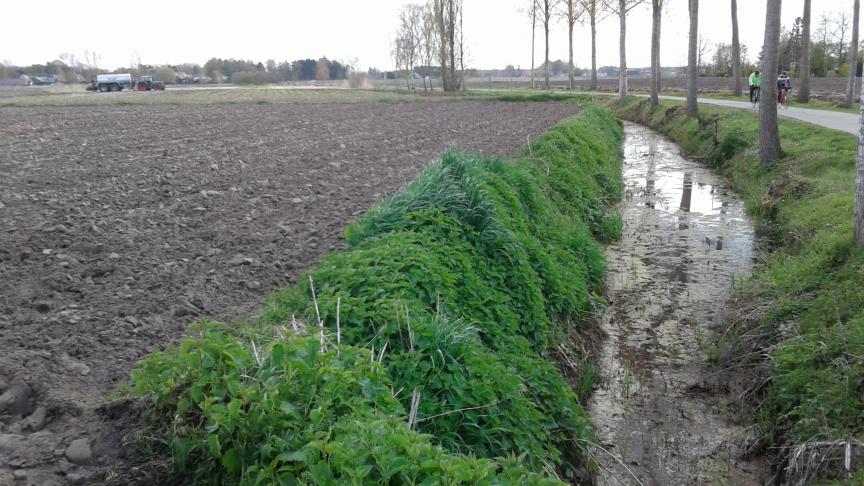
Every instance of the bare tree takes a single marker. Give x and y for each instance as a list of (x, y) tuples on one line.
[(804, 64), (736, 50), (692, 60), (532, 12), (842, 27), (572, 13), (546, 9), (408, 46), (92, 59), (703, 46), (461, 41), (592, 9), (656, 13), (769, 136), (446, 14), (852, 61), (621, 8), (429, 43), (859, 179)]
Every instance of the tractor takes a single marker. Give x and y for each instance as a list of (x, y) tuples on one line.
[(146, 83)]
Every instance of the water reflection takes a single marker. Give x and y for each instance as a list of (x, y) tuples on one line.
[(685, 237), (687, 193)]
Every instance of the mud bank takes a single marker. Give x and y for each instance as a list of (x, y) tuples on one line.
[(685, 238)]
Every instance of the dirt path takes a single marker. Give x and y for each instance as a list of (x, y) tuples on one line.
[(121, 225), (685, 237)]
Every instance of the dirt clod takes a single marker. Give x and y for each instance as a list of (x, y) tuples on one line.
[(36, 420), (17, 400), (79, 452), (11, 442)]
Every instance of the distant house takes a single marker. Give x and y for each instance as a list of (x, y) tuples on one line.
[(22, 80), (44, 80), (639, 72), (608, 72)]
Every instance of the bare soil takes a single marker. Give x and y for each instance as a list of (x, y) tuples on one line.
[(120, 225)]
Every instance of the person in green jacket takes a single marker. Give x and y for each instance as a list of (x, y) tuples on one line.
[(755, 82)]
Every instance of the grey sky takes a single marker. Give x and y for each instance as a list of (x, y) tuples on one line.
[(497, 34)]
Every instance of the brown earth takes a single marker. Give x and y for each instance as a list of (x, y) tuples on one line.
[(120, 225)]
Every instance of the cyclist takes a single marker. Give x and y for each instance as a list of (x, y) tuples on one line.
[(784, 84), (755, 82)]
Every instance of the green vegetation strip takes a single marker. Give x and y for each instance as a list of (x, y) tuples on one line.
[(800, 319), (445, 312)]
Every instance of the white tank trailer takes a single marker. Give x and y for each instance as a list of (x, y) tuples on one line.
[(113, 82)]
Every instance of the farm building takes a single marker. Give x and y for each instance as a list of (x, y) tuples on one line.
[(43, 80), (22, 80)]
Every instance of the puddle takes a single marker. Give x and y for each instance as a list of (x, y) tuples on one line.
[(685, 238)]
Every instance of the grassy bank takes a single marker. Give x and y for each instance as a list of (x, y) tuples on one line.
[(796, 326), (425, 352)]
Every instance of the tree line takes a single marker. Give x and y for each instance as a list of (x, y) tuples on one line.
[(430, 36), (69, 69), (432, 32), (250, 72)]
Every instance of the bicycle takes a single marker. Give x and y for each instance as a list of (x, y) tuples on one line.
[(787, 93), (756, 97)]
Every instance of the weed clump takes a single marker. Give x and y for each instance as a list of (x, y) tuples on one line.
[(439, 319)]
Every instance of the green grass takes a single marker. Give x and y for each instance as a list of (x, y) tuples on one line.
[(805, 306), (458, 289)]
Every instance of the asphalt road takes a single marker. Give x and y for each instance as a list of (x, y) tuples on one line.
[(836, 120)]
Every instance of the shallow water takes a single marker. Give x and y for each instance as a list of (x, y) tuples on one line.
[(685, 237)]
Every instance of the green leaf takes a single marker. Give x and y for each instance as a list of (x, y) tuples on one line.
[(231, 460), (213, 446)]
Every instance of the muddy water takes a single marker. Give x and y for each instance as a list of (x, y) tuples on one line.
[(685, 238)]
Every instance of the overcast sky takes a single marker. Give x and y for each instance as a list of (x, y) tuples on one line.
[(496, 32)]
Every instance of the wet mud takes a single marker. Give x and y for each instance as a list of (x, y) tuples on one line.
[(685, 238)]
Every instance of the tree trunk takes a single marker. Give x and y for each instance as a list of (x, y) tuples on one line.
[(692, 61), (622, 49), (804, 64), (593, 46), (656, 11), (570, 21), (533, 36), (853, 55), (452, 42), (769, 137), (461, 48), (859, 179), (546, 57), (736, 50), (441, 28)]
